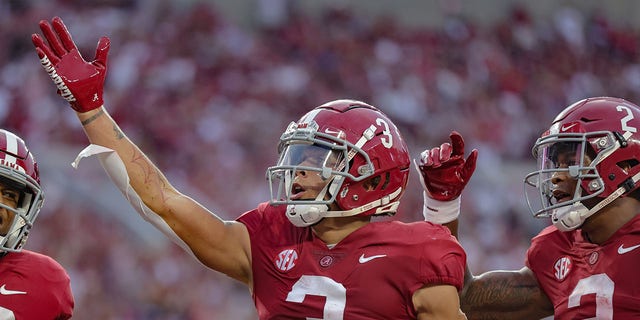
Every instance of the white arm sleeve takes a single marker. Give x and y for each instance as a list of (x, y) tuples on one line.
[(115, 168)]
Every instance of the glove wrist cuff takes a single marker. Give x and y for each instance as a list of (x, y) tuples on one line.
[(440, 212)]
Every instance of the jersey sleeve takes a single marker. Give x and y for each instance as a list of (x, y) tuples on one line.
[(535, 253), (58, 295), (253, 219), (38, 286), (443, 261)]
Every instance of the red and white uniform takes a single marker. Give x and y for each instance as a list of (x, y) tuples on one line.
[(585, 280), (33, 286), (371, 274)]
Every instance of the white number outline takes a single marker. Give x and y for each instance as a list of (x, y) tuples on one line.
[(334, 292), (625, 121), (387, 143), (603, 287), (6, 314)]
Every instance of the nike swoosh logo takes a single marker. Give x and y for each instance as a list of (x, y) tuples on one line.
[(623, 250), (364, 259), (565, 128), (5, 292)]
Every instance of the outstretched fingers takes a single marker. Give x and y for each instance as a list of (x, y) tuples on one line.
[(43, 49), (457, 143), (470, 165), (102, 51), (63, 34), (54, 42)]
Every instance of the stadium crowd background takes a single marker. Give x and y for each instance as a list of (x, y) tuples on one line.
[(207, 97)]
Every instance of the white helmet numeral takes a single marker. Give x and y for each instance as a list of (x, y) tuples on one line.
[(386, 142), (625, 121)]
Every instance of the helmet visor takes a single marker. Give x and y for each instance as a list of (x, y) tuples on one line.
[(320, 163), (560, 158), (22, 199)]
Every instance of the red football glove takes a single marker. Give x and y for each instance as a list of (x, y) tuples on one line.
[(444, 174), (444, 171), (78, 81)]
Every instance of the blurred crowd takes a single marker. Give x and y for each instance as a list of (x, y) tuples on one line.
[(207, 98)]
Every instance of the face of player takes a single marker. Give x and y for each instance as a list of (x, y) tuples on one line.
[(308, 183), (564, 184), (9, 197)]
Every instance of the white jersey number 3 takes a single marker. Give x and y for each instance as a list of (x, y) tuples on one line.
[(6, 314), (335, 293)]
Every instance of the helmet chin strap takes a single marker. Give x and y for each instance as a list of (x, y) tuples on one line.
[(12, 239), (571, 217), (304, 215), (383, 204), (13, 236)]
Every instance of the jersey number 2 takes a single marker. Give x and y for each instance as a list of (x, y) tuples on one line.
[(334, 292), (603, 287)]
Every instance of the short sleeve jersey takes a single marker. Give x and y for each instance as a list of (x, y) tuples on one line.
[(33, 286), (585, 280), (371, 274)]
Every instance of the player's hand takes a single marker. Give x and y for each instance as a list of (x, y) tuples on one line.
[(78, 81), (444, 174), (444, 170)]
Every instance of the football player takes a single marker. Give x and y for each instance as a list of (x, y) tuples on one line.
[(582, 266), (312, 251), (32, 285)]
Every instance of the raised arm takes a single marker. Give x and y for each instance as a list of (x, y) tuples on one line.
[(221, 245), (499, 294)]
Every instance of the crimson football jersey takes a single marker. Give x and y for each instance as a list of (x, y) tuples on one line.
[(371, 274), (33, 286), (585, 280)]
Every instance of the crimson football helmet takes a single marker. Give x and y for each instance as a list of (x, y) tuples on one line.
[(596, 142), (352, 146), (19, 171)]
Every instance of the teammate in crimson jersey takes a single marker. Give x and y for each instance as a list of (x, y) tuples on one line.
[(32, 285), (312, 251), (584, 265)]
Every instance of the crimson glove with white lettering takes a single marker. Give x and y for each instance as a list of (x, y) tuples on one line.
[(78, 81), (444, 173)]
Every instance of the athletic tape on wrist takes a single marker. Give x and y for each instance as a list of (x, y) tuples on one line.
[(440, 212)]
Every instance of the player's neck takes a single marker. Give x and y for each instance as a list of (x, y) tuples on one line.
[(602, 225), (333, 230)]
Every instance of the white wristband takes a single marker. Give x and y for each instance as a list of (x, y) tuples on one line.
[(440, 212)]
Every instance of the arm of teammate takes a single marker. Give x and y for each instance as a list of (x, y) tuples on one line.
[(493, 295), (444, 173), (221, 245), (437, 302), (502, 294)]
